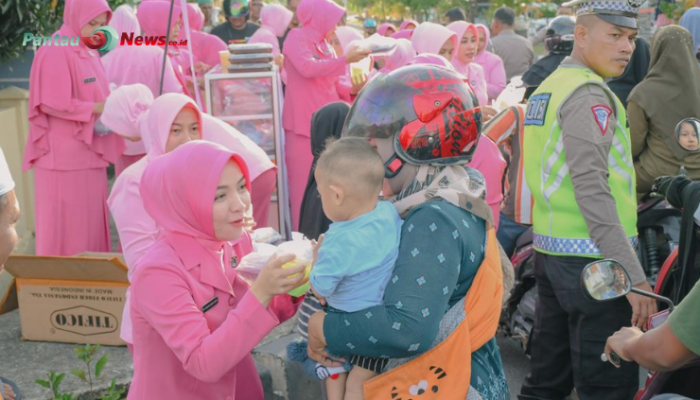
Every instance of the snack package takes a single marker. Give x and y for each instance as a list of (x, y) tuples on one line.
[(250, 266), (304, 252)]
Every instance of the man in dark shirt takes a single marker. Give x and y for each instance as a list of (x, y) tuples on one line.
[(236, 30)]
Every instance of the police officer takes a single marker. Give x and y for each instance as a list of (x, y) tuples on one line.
[(578, 165)]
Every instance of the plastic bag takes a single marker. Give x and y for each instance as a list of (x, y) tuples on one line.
[(378, 45), (266, 235), (512, 95), (250, 266)]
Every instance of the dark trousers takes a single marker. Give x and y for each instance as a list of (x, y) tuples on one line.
[(569, 336)]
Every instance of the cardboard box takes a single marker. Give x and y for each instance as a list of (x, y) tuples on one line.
[(71, 299)]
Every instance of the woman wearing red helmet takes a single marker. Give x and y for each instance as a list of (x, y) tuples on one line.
[(447, 286)]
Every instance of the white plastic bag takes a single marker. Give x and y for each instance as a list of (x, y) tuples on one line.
[(512, 95)]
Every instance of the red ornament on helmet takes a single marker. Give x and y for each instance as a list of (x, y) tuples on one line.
[(430, 111)]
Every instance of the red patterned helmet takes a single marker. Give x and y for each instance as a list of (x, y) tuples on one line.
[(430, 111)]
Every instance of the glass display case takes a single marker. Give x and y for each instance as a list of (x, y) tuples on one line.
[(252, 103)]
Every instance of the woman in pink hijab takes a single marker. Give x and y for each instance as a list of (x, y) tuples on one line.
[(205, 47), (131, 111), (68, 87), (434, 39), (408, 25), (153, 17), (126, 65), (464, 56), (313, 71), (386, 29), (195, 321), (494, 70)]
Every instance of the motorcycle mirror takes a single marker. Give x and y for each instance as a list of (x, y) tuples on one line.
[(605, 280), (688, 134)]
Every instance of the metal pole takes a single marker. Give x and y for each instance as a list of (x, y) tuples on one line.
[(167, 40)]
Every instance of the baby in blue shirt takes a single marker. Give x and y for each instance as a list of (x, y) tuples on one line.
[(355, 258)]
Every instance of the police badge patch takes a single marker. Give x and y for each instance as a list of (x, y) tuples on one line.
[(537, 109), (602, 115)]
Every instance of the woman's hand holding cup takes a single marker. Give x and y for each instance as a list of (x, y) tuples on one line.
[(274, 280)]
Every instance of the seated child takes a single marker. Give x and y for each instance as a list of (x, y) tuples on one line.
[(355, 258)]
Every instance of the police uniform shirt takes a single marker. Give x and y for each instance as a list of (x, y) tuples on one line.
[(588, 125)]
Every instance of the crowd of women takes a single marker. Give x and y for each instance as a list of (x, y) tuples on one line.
[(184, 210)]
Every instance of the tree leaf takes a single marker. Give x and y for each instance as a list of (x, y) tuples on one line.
[(43, 383), (100, 365), (80, 374)]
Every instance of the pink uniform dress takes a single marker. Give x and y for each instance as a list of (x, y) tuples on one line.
[(474, 72), (68, 159), (490, 162), (492, 64), (312, 82), (131, 109), (194, 320), (126, 65)]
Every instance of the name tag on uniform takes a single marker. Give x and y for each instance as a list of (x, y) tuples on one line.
[(88, 80), (210, 304), (537, 109)]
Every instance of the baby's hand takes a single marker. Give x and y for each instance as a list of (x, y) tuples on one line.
[(316, 245)]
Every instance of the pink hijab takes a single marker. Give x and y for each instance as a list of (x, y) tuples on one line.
[(346, 35), (125, 108), (276, 18), (153, 17), (178, 191), (51, 86), (407, 22), (383, 28), (220, 132), (405, 34), (403, 54), (318, 17), (432, 59), (483, 31), (124, 20), (156, 130), (195, 17), (429, 38)]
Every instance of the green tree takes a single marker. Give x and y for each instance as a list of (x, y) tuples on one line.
[(39, 17)]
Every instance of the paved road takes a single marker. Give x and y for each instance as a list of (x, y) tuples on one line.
[(515, 363)]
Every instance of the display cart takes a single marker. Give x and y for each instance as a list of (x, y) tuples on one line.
[(252, 103)]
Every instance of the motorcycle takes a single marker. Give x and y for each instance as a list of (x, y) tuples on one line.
[(607, 280)]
